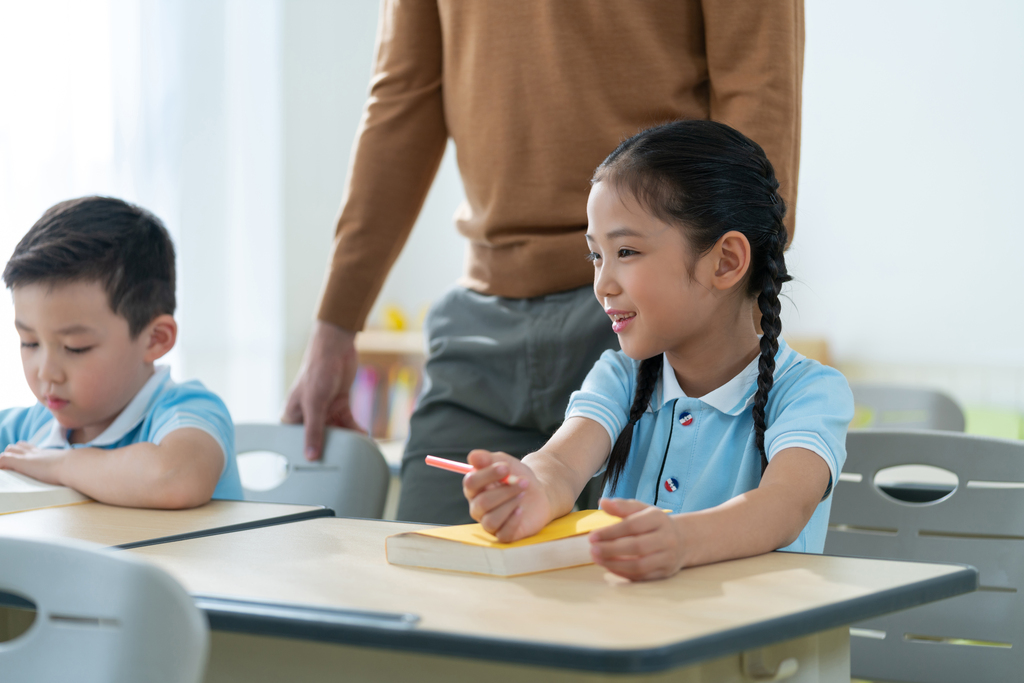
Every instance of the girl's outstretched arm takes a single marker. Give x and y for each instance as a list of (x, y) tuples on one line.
[(543, 486), (648, 544)]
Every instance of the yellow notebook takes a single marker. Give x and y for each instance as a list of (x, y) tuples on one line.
[(468, 548)]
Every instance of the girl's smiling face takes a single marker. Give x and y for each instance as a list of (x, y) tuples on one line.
[(658, 296)]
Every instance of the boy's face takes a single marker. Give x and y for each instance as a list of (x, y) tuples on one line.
[(78, 356)]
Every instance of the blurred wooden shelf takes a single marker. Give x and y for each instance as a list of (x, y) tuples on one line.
[(390, 342), (815, 348)]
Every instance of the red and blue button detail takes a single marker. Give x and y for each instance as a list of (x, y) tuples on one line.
[(671, 484), (686, 418)]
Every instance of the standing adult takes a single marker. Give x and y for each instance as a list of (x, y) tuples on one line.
[(535, 93)]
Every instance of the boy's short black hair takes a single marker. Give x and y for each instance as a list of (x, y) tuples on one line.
[(101, 239)]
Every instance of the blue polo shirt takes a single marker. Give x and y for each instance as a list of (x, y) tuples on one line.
[(160, 407), (695, 453)]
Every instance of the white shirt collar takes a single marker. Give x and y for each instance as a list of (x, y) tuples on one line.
[(129, 418), (733, 396)]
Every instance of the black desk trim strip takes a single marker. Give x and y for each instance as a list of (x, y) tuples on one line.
[(225, 615), (245, 526), (239, 609)]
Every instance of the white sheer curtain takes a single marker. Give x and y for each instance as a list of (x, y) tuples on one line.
[(174, 105), (56, 130)]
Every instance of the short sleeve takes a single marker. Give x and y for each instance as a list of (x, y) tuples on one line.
[(21, 424), (811, 407), (190, 405), (607, 393)]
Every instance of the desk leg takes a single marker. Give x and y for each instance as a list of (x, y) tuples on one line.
[(241, 658)]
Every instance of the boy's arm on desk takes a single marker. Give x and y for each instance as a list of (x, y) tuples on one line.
[(180, 472)]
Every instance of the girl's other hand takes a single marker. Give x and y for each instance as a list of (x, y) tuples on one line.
[(509, 511), (647, 544)]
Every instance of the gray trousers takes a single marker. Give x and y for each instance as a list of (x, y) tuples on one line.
[(498, 376)]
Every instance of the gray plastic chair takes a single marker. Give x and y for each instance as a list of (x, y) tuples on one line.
[(351, 477), (974, 637), (895, 407), (101, 616)]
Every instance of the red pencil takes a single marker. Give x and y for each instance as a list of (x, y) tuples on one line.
[(462, 468)]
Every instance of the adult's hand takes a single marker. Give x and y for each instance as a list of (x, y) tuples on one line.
[(320, 395)]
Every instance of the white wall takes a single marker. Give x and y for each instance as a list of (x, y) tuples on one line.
[(233, 120), (909, 242), (198, 128), (908, 237), (175, 105), (328, 55), (46, 153)]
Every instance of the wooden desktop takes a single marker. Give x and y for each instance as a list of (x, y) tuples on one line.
[(317, 598)]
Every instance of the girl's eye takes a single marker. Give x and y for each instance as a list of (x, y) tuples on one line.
[(81, 350), (593, 256), (623, 253)]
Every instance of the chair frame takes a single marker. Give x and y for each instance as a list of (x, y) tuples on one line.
[(101, 616), (978, 636), (351, 477), (896, 407)]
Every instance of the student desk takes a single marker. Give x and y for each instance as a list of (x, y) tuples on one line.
[(318, 601), (133, 527)]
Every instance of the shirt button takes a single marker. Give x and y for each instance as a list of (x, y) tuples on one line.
[(685, 418)]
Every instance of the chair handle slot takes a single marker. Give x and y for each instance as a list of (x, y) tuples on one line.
[(77, 620)]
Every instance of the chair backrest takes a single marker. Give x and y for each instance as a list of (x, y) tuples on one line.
[(102, 616), (879, 406), (978, 636), (350, 478)]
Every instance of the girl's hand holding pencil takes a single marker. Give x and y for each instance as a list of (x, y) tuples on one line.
[(505, 496), (509, 501)]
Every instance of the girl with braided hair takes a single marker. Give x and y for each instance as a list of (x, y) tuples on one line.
[(735, 434)]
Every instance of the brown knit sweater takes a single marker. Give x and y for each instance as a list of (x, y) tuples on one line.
[(535, 93)]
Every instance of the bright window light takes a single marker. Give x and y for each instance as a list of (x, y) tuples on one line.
[(56, 130)]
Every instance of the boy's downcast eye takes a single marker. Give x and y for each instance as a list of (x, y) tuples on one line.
[(77, 350), (29, 345)]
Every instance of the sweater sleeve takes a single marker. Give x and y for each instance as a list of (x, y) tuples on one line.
[(755, 53), (395, 156)]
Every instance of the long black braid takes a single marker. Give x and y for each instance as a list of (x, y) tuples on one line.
[(773, 276), (709, 179), (646, 379)]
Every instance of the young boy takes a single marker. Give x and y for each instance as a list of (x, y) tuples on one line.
[(93, 287)]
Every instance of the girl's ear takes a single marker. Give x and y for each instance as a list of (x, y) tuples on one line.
[(730, 259), (162, 332)]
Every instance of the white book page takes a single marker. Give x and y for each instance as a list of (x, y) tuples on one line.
[(13, 482)]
